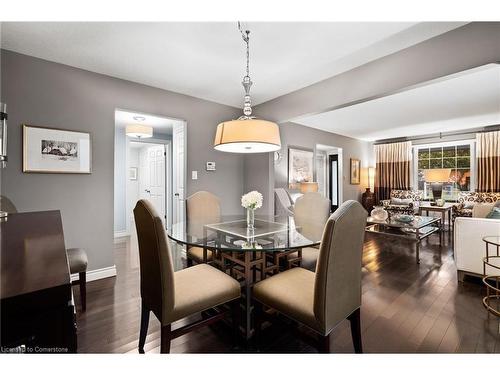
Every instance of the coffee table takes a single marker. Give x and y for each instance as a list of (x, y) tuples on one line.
[(445, 209), (416, 230)]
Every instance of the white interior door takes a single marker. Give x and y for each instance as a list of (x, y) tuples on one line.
[(152, 177), (179, 173)]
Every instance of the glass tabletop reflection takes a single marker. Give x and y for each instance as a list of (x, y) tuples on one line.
[(231, 233), (494, 240)]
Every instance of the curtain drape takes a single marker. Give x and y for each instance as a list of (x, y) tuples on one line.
[(393, 163), (488, 161)]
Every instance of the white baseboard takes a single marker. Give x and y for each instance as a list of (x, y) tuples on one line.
[(98, 274), (122, 233)]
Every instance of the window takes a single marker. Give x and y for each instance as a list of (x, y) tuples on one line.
[(458, 157)]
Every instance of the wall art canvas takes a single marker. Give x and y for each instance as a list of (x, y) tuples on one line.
[(50, 150), (355, 171), (300, 167)]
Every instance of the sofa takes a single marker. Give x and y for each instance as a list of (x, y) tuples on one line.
[(469, 247), (466, 201), (404, 201)]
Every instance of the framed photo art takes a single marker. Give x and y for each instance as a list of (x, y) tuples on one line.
[(300, 166), (355, 171), (51, 150), (132, 173)]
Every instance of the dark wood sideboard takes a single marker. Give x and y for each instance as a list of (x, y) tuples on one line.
[(37, 311)]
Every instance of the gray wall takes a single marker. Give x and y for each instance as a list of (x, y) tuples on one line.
[(120, 181), (259, 175), (298, 135), (43, 93)]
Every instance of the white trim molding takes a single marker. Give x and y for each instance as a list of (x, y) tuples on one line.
[(100, 273), (123, 233)]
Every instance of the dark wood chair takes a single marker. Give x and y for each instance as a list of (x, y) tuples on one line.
[(170, 295), (321, 300), (77, 259)]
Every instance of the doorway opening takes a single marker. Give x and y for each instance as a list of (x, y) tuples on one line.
[(329, 174), (151, 168)]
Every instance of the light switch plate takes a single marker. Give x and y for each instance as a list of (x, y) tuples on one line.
[(194, 175)]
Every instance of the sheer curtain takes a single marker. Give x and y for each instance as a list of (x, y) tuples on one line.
[(488, 161), (393, 163)]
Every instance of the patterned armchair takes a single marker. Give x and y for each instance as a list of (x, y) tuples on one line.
[(404, 201), (466, 200)]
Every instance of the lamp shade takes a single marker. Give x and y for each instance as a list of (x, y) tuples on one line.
[(139, 131), (371, 177), (247, 136), (437, 175), (308, 187)]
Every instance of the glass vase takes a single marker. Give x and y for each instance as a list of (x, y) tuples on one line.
[(378, 213), (250, 218)]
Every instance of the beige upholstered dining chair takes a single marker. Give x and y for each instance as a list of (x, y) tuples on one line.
[(170, 295), (283, 204), (202, 208), (320, 300), (310, 214)]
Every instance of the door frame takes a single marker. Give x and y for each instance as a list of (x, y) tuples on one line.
[(339, 151), (169, 185), (333, 157), (183, 123)]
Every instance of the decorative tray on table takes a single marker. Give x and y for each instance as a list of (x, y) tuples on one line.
[(402, 218)]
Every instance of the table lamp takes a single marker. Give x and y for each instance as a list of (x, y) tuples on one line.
[(436, 177), (368, 197), (308, 187)]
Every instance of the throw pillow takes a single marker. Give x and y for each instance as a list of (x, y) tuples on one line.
[(481, 210), (469, 205), (401, 201), (494, 213)]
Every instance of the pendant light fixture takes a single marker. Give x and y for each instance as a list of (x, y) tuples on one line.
[(139, 131), (247, 134)]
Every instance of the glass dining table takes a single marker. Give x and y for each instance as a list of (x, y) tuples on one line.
[(248, 254)]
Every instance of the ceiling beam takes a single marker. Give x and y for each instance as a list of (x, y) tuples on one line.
[(470, 46)]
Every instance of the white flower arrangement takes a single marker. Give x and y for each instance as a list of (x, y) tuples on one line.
[(252, 200)]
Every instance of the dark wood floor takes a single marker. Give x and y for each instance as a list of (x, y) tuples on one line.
[(406, 308)]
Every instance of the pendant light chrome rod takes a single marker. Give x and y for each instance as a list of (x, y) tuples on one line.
[(247, 81)]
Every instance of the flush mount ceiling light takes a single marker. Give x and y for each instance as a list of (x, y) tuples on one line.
[(247, 134), (139, 118), (139, 131)]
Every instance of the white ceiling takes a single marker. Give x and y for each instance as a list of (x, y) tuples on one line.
[(468, 100), (160, 125), (207, 60)]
